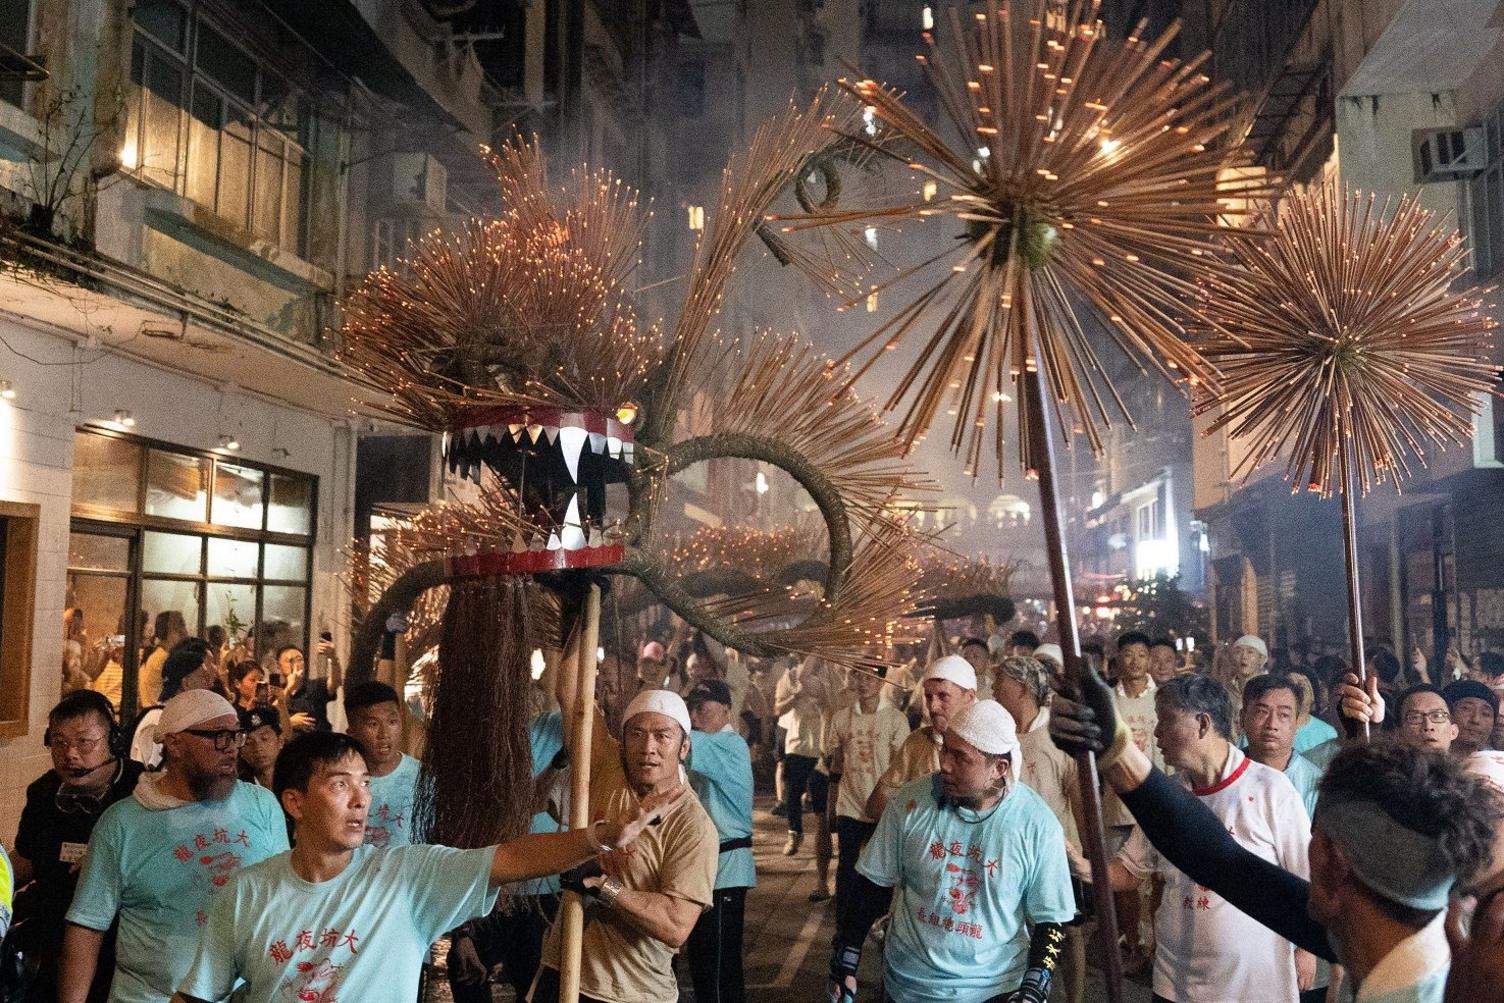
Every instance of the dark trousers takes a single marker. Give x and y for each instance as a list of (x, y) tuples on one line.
[(547, 990), (714, 949), (851, 835), (513, 940), (799, 774)]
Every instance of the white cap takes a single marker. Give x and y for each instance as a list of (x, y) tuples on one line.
[(952, 669), (665, 702), (1256, 643), (1052, 652), (988, 727), (191, 708)]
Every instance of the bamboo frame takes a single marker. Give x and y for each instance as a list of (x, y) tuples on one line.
[(581, 737)]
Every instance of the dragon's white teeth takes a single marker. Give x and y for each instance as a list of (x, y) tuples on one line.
[(444, 445), (519, 545), (551, 434), (597, 442), (613, 446), (553, 542), (571, 441), (533, 431), (516, 431)]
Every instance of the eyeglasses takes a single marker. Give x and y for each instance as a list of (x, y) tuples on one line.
[(84, 746), (1416, 717), (224, 740)]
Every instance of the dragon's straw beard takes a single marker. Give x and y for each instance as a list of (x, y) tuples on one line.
[(477, 765)]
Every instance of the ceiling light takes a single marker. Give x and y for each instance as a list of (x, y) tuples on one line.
[(229, 442), (7, 391), (124, 418)]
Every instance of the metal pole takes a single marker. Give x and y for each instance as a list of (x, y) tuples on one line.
[(1350, 545), (1095, 836), (583, 713)]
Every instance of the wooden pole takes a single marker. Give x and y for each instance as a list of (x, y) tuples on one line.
[(1095, 836), (583, 713), (1350, 546)]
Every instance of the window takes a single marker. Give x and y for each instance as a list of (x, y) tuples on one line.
[(1148, 521), (1485, 195), (15, 35), (162, 533), (18, 570), (209, 122)]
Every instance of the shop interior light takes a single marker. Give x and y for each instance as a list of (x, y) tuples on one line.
[(229, 442), (124, 418), (7, 390)]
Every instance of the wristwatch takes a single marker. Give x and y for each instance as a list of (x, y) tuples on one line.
[(608, 891)]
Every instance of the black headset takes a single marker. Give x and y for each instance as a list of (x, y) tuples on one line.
[(81, 702)]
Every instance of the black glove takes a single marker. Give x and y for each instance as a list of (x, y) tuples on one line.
[(1035, 987), (1086, 719), (844, 961), (573, 880)]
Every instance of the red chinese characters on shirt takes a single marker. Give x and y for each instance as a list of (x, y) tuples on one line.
[(317, 978), (390, 820), (966, 870), (214, 856), (1202, 899)]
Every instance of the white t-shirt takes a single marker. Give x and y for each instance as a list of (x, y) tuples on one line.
[(1206, 950), (820, 690), (867, 743)]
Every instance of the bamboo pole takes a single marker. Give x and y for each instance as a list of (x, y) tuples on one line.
[(583, 713), (1095, 836), (1350, 548)]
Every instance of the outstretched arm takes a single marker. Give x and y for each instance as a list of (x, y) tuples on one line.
[(1180, 827)]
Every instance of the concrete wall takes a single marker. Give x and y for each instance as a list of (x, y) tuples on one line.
[(36, 457)]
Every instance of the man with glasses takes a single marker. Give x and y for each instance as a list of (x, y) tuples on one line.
[(62, 807), (1425, 720), (157, 858)]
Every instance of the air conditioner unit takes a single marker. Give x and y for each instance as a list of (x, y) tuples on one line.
[(1447, 154), (418, 180)]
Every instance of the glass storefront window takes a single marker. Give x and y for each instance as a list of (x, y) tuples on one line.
[(234, 559), (286, 563), (106, 472), (93, 552), (291, 508), (177, 486), (219, 544), (172, 554), (237, 496)]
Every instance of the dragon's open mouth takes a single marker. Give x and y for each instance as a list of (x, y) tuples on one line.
[(559, 463)]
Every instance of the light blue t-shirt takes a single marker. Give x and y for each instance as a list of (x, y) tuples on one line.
[(545, 736), (390, 822), (160, 870), (968, 888), (1306, 776), (1313, 733), (359, 936), (721, 774)]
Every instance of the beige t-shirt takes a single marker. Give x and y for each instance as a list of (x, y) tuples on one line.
[(918, 756), (1050, 773), (867, 743), (619, 963), (1139, 715)]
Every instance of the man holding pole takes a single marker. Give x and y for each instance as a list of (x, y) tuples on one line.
[(643, 904)]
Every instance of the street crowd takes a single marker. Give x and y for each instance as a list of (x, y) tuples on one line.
[(1278, 830)]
